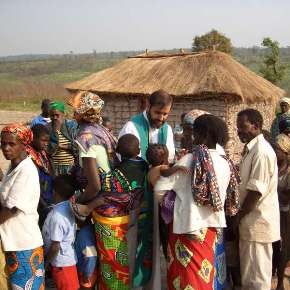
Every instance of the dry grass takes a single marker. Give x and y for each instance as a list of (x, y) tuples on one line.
[(200, 74)]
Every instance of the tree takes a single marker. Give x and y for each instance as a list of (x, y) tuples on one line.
[(272, 69), (212, 40)]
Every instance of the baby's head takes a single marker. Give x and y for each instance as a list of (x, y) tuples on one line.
[(128, 146), (63, 187), (157, 154)]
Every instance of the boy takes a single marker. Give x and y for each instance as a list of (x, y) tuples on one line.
[(45, 171), (59, 232)]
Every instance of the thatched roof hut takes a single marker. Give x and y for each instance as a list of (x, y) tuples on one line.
[(211, 81)]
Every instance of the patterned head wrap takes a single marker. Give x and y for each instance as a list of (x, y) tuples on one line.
[(22, 133), (59, 106), (82, 102), (283, 141), (285, 100), (192, 116)]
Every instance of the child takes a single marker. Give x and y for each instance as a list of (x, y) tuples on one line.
[(157, 156), (120, 188), (59, 232), (43, 164), (85, 247)]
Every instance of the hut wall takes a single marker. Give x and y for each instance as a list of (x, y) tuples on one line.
[(120, 109), (182, 105), (235, 147)]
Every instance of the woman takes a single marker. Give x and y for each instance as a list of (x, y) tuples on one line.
[(198, 212), (19, 197), (97, 153), (282, 253), (61, 148)]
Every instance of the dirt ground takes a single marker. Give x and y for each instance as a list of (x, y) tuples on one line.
[(7, 117)]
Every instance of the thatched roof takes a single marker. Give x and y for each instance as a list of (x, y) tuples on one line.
[(197, 75)]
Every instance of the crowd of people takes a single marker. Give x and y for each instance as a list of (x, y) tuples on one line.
[(87, 210)]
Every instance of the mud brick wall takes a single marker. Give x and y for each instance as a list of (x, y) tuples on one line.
[(235, 147), (121, 108)]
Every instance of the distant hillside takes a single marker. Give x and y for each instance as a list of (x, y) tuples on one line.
[(25, 79)]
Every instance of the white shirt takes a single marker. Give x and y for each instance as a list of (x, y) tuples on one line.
[(259, 172), (60, 226), (129, 128), (188, 216), (20, 188)]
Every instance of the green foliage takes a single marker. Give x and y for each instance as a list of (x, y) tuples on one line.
[(212, 40), (272, 69)]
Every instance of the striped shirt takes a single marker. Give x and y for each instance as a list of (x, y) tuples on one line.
[(63, 157)]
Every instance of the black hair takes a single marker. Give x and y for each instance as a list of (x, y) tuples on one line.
[(157, 154), (182, 117), (64, 185), (39, 130), (211, 129), (128, 146), (253, 116), (45, 103), (160, 99)]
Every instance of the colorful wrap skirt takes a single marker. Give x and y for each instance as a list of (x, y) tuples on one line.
[(26, 269), (112, 248), (191, 260)]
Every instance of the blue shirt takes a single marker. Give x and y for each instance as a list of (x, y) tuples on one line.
[(86, 250), (60, 226), (40, 120)]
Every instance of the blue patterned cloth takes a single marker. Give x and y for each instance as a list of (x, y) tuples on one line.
[(26, 269), (220, 281)]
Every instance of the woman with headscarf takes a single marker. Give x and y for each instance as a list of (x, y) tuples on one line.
[(61, 148), (281, 251), (197, 211), (284, 113), (97, 156), (19, 197)]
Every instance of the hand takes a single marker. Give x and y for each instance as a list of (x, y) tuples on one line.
[(183, 169), (181, 153)]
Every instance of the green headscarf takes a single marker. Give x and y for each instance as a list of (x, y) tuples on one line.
[(57, 105)]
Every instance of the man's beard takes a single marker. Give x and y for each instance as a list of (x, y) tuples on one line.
[(153, 123)]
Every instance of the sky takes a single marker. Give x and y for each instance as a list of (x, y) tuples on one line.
[(61, 26)]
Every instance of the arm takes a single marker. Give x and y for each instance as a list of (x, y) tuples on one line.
[(168, 171), (52, 252), (6, 214), (92, 174), (170, 145), (1, 174), (250, 203), (262, 169)]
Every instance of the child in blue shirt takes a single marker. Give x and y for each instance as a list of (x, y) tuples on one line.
[(59, 231)]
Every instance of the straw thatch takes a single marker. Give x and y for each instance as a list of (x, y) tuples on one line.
[(196, 75)]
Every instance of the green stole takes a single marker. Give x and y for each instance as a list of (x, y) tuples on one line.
[(142, 127), (143, 264)]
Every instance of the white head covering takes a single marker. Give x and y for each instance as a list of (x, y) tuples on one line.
[(285, 100)]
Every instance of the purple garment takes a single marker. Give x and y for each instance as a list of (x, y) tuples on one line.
[(167, 206), (96, 134)]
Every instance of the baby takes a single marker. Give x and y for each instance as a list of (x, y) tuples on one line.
[(157, 157)]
